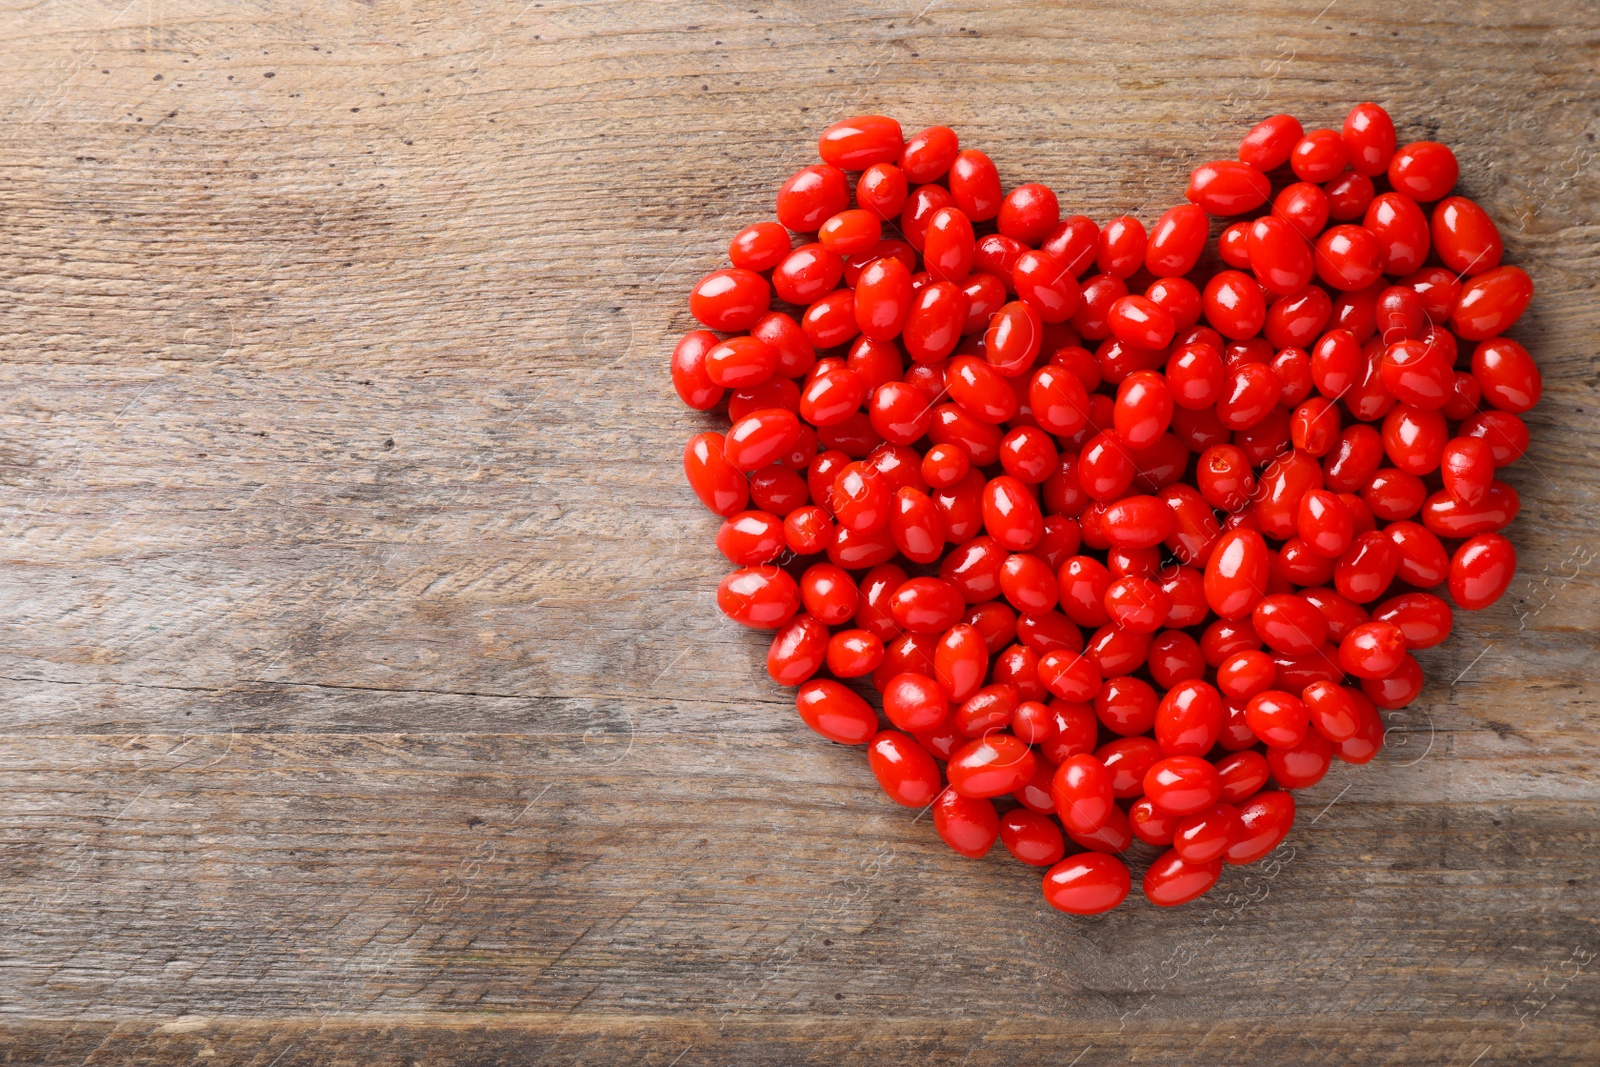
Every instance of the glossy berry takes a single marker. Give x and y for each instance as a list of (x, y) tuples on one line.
[(1481, 570), (1301, 766), (1289, 624), (1236, 574), (1176, 241), (1234, 304), (1182, 785), (1122, 247), (1082, 789), (1172, 880), (730, 299), (1045, 283), (1423, 170), (1268, 144), (808, 530), (1369, 135), (968, 825), (928, 155), (1011, 515), (1189, 719), (1242, 775), (1401, 230), (836, 713), (751, 537), (762, 597), (1279, 719), (1372, 650), (717, 482), (811, 196), (975, 185), (948, 245), (1031, 837), (1334, 712), (1467, 240), (1280, 257), (761, 438), (1422, 617), (883, 298), (1234, 245), (694, 386), (797, 650), (1303, 206), (991, 766), (850, 232), (853, 653), (1028, 213), (1227, 187), (1506, 375), (1319, 156), (903, 768), (1204, 836), (858, 143), (1087, 884), (1348, 257), (1264, 820), (1139, 321), (915, 702), (988, 710), (882, 190), (926, 605), (1349, 196)]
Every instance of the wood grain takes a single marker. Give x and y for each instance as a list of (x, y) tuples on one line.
[(362, 697)]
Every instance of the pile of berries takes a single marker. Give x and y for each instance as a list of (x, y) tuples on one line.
[(1129, 550)]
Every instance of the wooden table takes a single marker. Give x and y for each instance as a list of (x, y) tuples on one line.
[(364, 696)]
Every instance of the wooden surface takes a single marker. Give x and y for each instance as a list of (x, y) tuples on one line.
[(362, 695)]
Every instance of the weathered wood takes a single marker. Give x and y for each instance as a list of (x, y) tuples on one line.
[(362, 697)]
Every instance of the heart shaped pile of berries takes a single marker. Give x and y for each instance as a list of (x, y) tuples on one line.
[(1132, 540)]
